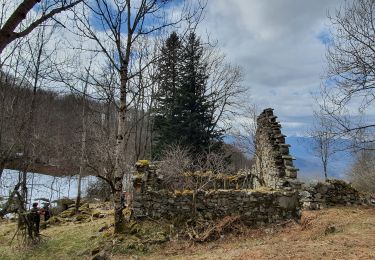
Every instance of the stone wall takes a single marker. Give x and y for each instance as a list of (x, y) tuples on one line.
[(273, 164), (222, 197), (331, 193), (267, 194), (196, 180), (254, 207)]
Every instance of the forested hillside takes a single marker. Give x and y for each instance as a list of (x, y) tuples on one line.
[(181, 117)]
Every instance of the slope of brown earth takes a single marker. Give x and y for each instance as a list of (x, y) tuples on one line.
[(336, 233)]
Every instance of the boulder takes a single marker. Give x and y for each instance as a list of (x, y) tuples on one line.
[(67, 213)]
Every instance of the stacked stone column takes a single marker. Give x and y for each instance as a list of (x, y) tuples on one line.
[(274, 165)]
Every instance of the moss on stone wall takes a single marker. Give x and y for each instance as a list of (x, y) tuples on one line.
[(330, 193), (256, 207)]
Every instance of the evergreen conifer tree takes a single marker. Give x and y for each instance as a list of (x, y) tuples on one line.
[(165, 121), (194, 102), (184, 112)]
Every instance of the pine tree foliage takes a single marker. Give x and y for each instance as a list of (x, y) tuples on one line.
[(166, 99), (185, 110), (195, 102)]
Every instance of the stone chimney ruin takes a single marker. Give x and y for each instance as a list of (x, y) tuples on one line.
[(273, 164)]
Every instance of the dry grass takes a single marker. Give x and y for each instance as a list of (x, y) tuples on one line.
[(337, 233)]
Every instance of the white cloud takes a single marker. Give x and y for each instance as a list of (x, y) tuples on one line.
[(277, 43)]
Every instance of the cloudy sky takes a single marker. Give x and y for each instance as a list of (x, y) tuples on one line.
[(280, 45)]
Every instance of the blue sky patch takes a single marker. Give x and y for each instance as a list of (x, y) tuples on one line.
[(325, 37)]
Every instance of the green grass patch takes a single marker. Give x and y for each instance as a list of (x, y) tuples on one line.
[(77, 240), (70, 241)]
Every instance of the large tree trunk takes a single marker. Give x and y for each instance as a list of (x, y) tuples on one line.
[(119, 196), (2, 166), (325, 170), (83, 142), (24, 188), (119, 199), (82, 159)]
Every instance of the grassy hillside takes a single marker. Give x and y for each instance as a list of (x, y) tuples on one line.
[(336, 233)]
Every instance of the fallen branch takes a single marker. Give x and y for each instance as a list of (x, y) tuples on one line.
[(213, 231)]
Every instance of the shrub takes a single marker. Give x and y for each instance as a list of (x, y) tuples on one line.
[(99, 190), (362, 173)]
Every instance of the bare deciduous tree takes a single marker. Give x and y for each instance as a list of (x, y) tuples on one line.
[(122, 25), (325, 141), (224, 88), (83, 155), (30, 67), (245, 131), (9, 26), (349, 93)]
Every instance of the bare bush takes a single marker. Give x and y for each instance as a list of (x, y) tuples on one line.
[(99, 190), (180, 171), (175, 162), (362, 173), (215, 162)]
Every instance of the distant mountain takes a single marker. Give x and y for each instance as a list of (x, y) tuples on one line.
[(310, 165)]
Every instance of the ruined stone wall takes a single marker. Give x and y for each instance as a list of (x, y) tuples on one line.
[(274, 169), (273, 166), (266, 195), (331, 193), (273, 163), (223, 195), (270, 193), (254, 207), (198, 180)]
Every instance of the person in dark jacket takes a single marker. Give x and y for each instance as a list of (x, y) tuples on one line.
[(35, 218), (47, 212)]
